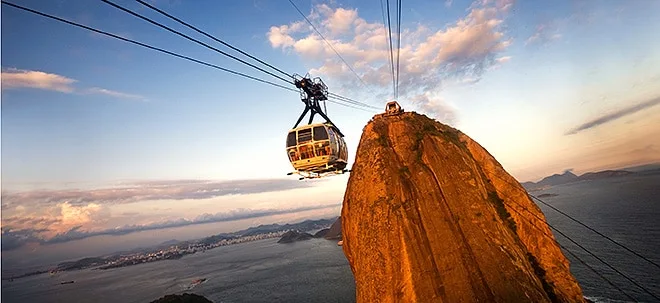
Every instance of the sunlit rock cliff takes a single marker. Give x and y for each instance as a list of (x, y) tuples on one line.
[(430, 216)]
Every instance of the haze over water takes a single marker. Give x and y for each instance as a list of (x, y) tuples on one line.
[(624, 208)]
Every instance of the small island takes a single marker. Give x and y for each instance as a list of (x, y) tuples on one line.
[(293, 236)]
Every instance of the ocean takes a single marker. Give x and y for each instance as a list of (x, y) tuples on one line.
[(625, 208), (260, 271)]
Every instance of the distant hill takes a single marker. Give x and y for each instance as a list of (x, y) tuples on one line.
[(335, 231), (321, 233), (558, 179), (80, 264), (303, 226), (569, 177), (293, 236), (645, 167), (604, 174)]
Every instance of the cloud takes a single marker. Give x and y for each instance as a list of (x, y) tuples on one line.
[(436, 107), (14, 238), (613, 116), (13, 78), (58, 218), (151, 190), (464, 49), (49, 216), (17, 78), (112, 93), (544, 33)]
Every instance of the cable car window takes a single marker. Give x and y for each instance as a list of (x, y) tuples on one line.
[(323, 149), (304, 135), (320, 133), (291, 139)]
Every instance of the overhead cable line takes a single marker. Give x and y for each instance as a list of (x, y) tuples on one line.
[(398, 51), (145, 45), (597, 232), (382, 10), (337, 101), (234, 48), (608, 265), (389, 26), (597, 273), (570, 252), (591, 228), (194, 40), (582, 247), (352, 101), (210, 36), (329, 44), (98, 31)]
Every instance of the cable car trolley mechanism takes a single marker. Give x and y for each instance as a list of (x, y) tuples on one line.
[(315, 150)]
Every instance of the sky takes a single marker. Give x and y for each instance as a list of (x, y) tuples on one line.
[(105, 139)]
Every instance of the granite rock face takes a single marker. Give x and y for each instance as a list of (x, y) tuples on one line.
[(430, 216)]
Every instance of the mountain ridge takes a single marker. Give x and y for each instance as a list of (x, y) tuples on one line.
[(569, 177)]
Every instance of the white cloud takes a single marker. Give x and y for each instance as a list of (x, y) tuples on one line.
[(341, 20), (72, 216), (462, 50), (544, 33), (18, 78), (13, 78), (103, 91), (437, 107), (278, 36)]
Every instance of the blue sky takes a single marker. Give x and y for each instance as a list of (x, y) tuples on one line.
[(515, 76)]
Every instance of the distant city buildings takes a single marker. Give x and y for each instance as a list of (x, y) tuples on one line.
[(177, 251)]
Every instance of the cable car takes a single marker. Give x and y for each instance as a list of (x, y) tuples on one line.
[(316, 149)]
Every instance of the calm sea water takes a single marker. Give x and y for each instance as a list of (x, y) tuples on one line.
[(260, 271), (626, 209)]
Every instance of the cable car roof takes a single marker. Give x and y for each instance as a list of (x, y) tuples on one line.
[(327, 124)]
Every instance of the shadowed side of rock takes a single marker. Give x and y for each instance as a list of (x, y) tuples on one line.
[(425, 219)]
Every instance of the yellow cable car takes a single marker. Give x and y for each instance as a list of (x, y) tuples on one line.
[(317, 149)]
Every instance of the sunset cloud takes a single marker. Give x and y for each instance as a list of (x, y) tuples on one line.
[(462, 50), (613, 116), (47, 216), (13, 78), (150, 190), (69, 226), (112, 93), (543, 34), (16, 78)]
